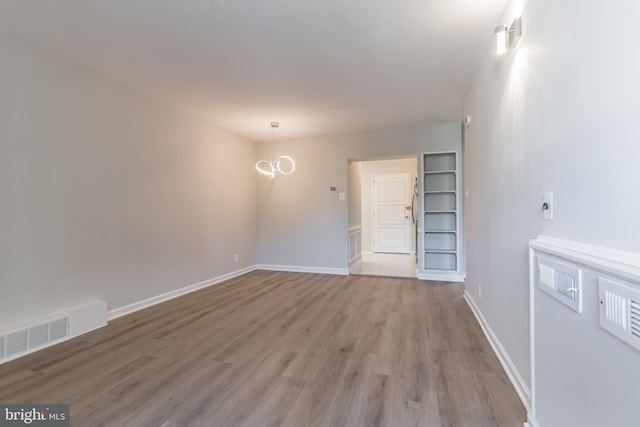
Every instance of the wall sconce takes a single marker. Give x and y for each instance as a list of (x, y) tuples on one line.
[(507, 37), (270, 168)]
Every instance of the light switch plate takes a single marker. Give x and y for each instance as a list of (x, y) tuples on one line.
[(342, 196)]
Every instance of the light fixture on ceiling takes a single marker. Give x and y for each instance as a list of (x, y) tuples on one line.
[(283, 164), (506, 37)]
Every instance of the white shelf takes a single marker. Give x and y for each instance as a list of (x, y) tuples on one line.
[(440, 238), (438, 172)]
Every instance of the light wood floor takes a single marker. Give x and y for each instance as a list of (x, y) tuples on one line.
[(269, 349)]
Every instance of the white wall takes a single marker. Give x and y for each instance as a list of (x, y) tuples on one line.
[(106, 194), (381, 167), (558, 113), (354, 191), (300, 222)]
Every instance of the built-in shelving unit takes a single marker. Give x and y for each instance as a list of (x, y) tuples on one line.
[(440, 228)]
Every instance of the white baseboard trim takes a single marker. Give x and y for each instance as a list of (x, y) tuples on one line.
[(442, 277), (131, 308), (303, 269), (372, 253), (355, 263), (531, 422), (503, 357)]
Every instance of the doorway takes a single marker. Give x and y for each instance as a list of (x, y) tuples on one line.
[(381, 230), (391, 213)]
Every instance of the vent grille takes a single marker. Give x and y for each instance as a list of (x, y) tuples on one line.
[(566, 285), (620, 310), (51, 329), (58, 329), (38, 335), (17, 342), (615, 309), (561, 281), (634, 318)]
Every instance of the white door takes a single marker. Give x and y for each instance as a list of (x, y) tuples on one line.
[(392, 213)]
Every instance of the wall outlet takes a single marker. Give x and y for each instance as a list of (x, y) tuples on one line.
[(236, 258)]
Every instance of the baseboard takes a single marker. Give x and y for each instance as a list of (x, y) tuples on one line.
[(303, 269), (131, 308), (503, 357), (355, 261), (442, 277), (531, 422)]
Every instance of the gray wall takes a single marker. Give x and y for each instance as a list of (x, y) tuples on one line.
[(300, 222), (109, 195), (559, 113)]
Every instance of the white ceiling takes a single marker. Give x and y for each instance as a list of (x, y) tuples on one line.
[(319, 67)]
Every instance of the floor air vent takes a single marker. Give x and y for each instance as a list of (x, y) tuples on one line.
[(620, 310)]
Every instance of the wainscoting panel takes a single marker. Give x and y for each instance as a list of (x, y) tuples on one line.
[(584, 359), (355, 244)]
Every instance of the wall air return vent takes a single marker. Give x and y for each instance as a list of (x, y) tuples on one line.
[(561, 281), (20, 341), (16, 343), (620, 310), (38, 335), (45, 331), (59, 329)]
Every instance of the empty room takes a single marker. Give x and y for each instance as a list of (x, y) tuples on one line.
[(336, 213)]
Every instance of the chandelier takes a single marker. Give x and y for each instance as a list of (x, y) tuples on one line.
[(282, 164)]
